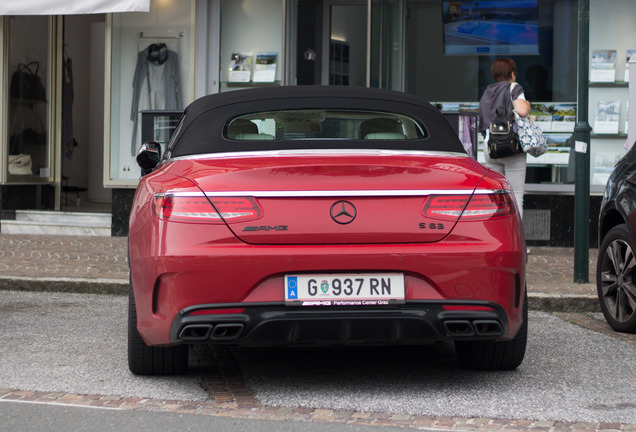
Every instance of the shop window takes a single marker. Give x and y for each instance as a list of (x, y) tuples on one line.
[(29, 150), (150, 66), (440, 66), (251, 43), (450, 46)]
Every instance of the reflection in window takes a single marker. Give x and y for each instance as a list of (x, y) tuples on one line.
[(322, 124)]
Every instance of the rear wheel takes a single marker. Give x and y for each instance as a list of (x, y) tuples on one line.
[(148, 360), (616, 279), (491, 355)]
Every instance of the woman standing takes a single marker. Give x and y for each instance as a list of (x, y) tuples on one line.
[(504, 72)]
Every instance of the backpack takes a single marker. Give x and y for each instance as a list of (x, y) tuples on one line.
[(26, 84), (503, 140)]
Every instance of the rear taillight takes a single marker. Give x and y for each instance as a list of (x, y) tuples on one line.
[(475, 207), (199, 209)]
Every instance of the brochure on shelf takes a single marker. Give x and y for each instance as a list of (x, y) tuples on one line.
[(558, 142), (265, 67), (603, 67), (604, 163), (606, 117), (563, 117), (630, 54), (240, 67), (554, 117)]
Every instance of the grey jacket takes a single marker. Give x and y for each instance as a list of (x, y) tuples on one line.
[(170, 83), (496, 95)]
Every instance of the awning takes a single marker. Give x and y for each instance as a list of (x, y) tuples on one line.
[(71, 7)]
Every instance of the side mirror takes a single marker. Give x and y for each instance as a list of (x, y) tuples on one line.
[(148, 156)]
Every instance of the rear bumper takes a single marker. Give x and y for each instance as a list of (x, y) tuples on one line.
[(190, 269), (269, 324)]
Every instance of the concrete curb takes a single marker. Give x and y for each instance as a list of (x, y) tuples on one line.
[(580, 303), (67, 285), (536, 301)]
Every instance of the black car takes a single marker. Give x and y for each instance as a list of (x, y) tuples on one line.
[(616, 265)]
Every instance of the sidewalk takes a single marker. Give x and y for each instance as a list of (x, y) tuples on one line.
[(98, 265)]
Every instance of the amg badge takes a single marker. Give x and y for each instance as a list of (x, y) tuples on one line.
[(266, 228)]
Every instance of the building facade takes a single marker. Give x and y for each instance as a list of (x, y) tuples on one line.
[(74, 86)]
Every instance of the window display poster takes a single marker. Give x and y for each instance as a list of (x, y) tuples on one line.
[(603, 66), (563, 117), (541, 114), (240, 67), (559, 142), (265, 67), (606, 117), (554, 117)]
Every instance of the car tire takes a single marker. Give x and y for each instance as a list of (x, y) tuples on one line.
[(616, 279), (492, 355), (148, 360)]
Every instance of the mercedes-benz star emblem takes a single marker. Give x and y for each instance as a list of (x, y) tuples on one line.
[(343, 212)]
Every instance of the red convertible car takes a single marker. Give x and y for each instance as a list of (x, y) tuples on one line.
[(317, 216)]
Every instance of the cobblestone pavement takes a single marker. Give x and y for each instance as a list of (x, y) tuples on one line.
[(550, 269), (38, 256)]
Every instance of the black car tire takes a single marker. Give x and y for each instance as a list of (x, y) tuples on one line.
[(616, 279), (147, 360), (491, 355)]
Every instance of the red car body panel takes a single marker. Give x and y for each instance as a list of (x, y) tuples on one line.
[(177, 266)]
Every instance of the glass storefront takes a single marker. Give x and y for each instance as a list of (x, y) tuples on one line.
[(150, 69), (431, 48), (451, 45), (448, 60), (27, 156)]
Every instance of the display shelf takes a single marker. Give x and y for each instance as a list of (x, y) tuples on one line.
[(620, 135), (616, 84)]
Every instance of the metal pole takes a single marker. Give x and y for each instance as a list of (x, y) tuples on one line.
[(582, 152)]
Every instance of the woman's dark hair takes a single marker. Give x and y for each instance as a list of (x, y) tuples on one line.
[(502, 69)]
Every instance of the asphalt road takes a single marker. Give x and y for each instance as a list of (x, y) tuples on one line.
[(28, 417), (76, 343)]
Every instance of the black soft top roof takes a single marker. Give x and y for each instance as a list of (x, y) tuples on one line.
[(202, 127)]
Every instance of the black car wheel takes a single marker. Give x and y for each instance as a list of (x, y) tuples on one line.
[(491, 355), (148, 360), (616, 279)]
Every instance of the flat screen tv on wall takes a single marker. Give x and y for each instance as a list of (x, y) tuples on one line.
[(490, 27)]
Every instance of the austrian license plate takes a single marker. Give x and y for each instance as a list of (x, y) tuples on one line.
[(356, 289)]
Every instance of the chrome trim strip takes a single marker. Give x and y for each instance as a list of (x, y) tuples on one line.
[(334, 193), (328, 152)]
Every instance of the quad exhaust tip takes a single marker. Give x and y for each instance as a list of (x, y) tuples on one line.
[(467, 328), (488, 327), (227, 331), (196, 332), (203, 332)]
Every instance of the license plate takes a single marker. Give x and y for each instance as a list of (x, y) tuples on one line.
[(356, 289)]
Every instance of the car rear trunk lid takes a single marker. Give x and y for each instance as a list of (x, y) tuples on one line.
[(343, 200)]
